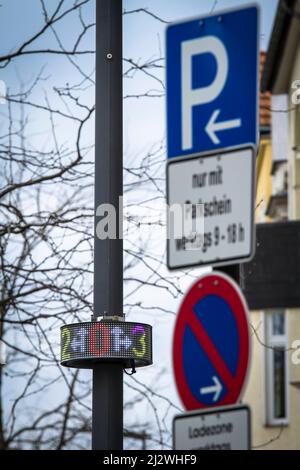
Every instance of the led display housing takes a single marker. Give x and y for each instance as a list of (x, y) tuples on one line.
[(84, 344)]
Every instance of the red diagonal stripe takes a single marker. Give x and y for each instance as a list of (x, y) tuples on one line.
[(210, 350)]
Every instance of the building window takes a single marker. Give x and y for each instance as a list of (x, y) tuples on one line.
[(276, 369), (280, 128)]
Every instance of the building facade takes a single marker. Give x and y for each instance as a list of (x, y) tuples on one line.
[(272, 281)]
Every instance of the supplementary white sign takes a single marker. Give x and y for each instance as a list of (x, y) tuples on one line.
[(219, 429), (223, 184)]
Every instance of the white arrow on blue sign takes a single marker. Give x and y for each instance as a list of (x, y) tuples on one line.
[(212, 82)]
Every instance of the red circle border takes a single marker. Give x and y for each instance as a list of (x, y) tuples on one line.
[(221, 285)]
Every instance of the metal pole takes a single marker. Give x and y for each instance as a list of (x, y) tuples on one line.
[(232, 271), (107, 421)]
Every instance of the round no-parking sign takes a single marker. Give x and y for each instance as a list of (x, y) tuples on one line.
[(211, 345)]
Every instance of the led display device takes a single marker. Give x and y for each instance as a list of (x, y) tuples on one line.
[(83, 344)]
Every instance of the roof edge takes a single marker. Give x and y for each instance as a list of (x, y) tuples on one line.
[(282, 23)]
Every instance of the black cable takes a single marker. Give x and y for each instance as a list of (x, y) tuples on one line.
[(132, 364)]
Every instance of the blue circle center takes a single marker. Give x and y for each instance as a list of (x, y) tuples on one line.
[(203, 379)]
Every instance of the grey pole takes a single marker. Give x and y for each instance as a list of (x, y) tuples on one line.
[(107, 421), (232, 271)]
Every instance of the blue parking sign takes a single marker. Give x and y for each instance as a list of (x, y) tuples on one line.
[(212, 82)]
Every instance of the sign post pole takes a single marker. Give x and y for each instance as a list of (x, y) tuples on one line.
[(232, 271), (107, 421)]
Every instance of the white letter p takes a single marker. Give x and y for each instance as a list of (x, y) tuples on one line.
[(192, 97)]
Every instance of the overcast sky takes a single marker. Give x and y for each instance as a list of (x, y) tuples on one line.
[(144, 38)]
